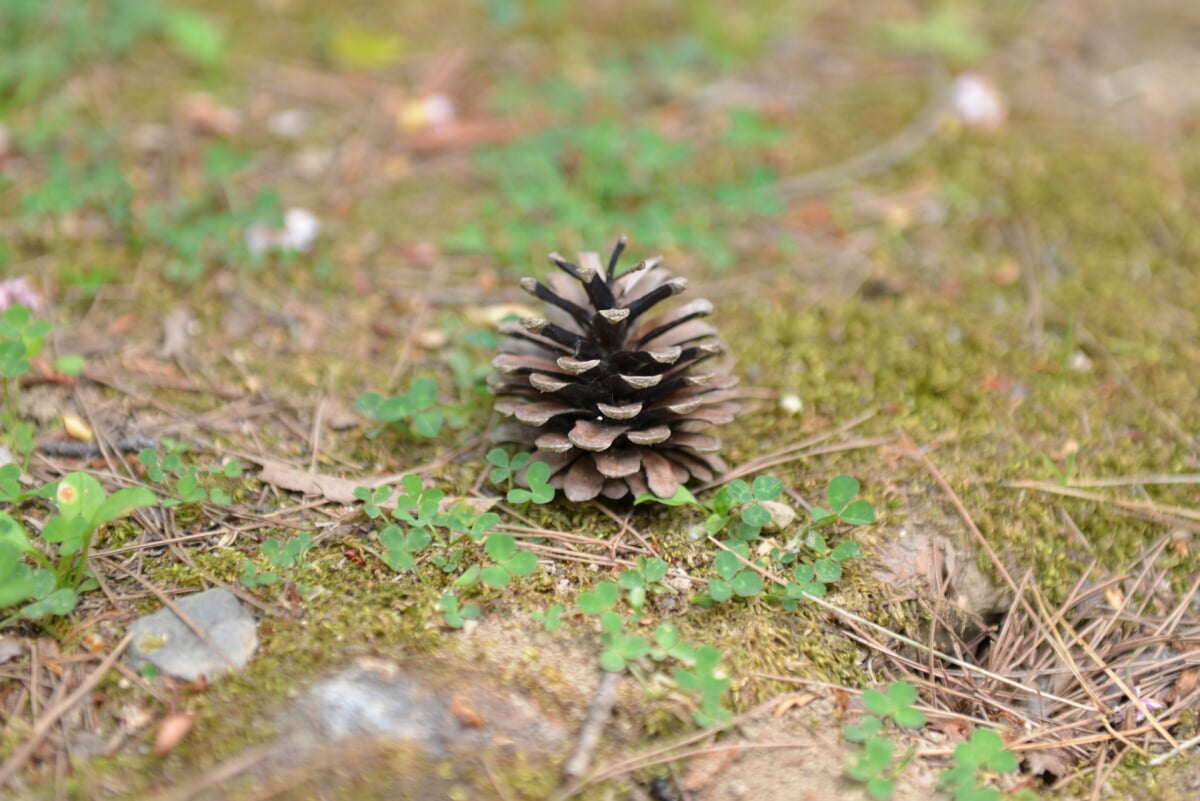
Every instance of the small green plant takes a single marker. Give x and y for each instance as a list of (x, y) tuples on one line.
[(645, 577), (984, 753), (505, 467), (415, 409), (53, 586), (814, 579), (401, 547), (621, 645), (41, 42), (743, 502), (422, 522), (843, 507), (373, 499), (201, 228), (540, 491), (896, 704), (21, 339), (287, 554), (280, 555), (874, 766), (706, 678), (944, 31), (172, 468), (737, 501), (454, 615), (734, 576), (1062, 477), (741, 510), (551, 619), (252, 577), (510, 561)]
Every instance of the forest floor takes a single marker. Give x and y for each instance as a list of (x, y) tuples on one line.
[(953, 254)]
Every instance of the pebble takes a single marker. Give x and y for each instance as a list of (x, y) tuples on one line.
[(165, 641)]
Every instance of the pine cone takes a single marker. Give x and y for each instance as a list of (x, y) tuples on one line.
[(613, 404)]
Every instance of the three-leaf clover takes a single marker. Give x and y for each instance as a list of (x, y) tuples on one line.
[(401, 547), (540, 491), (504, 467), (454, 615), (873, 767), (842, 506), (734, 576), (895, 703), (416, 407), (510, 561), (647, 575), (985, 751), (706, 678)]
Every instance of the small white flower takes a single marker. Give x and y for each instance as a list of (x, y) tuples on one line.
[(16, 291)]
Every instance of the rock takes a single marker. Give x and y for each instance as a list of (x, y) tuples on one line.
[(9, 649), (162, 639), (440, 711), (782, 515)]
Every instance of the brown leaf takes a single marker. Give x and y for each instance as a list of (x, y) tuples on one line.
[(464, 710), (341, 490), (172, 730)]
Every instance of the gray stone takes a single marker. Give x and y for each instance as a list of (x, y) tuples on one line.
[(439, 711), (165, 641), (9, 649)]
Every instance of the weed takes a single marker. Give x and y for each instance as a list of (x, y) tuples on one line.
[(551, 619), (744, 509), (944, 31), (251, 577), (646, 576), (186, 477), (53, 586), (734, 577), (285, 555), (510, 561), (454, 615), (540, 491), (288, 554), (1061, 477), (504, 466), (415, 409), (597, 174), (874, 766), (41, 42), (21, 338), (709, 681), (620, 645), (843, 506), (983, 753)]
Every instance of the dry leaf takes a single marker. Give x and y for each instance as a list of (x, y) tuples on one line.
[(792, 701), (464, 710), (76, 428), (172, 730), (207, 116), (341, 490)]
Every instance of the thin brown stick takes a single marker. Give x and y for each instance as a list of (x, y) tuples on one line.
[(594, 722)]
